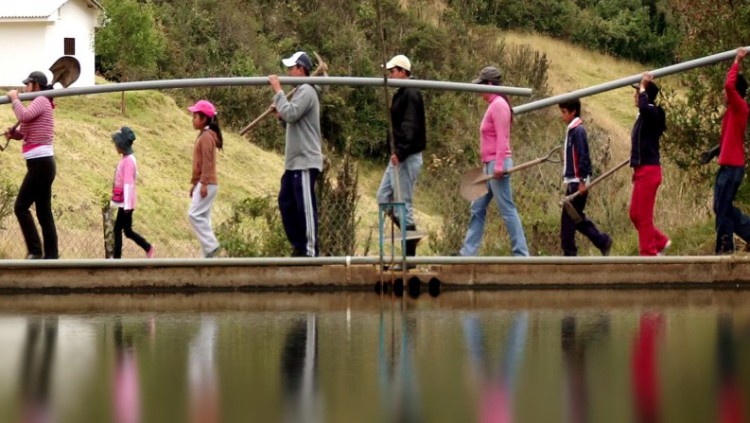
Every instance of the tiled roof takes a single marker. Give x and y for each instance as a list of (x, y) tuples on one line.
[(10, 9)]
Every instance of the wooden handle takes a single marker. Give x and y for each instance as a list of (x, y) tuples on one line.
[(593, 183)]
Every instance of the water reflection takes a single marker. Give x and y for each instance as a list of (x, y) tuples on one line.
[(126, 389), (644, 365), (398, 360), (497, 383), (36, 369), (202, 380), (731, 408), (399, 389), (299, 359), (575, 342)]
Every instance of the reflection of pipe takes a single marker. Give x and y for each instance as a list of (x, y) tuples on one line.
[(623, 82), (36, 369), (167, 84)]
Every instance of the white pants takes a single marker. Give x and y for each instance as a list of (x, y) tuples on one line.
[(199, 215)]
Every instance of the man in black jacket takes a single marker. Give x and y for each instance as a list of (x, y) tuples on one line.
[(409, 136)]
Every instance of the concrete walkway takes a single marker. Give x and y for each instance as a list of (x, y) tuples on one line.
[(355, 273)]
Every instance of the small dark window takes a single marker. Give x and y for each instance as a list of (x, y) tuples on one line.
[(70, 46)]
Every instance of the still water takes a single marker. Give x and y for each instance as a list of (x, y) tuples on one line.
[(534, 356)]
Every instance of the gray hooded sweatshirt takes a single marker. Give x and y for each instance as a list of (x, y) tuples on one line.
[(302, 118)]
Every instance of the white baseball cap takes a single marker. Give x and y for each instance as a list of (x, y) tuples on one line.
[(299, 58), (400, 61)]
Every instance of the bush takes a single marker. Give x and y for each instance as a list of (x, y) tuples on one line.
[(254, 230)]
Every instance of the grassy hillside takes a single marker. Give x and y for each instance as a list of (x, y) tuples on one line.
[(87, 159)]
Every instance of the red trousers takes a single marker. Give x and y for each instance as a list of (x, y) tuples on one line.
[(646, 181)]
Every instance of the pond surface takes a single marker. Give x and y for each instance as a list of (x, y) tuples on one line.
[(529, 356)]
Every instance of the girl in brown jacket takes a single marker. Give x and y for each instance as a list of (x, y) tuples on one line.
[(204, 182)]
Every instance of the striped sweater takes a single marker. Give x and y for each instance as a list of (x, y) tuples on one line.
[(37, 129)]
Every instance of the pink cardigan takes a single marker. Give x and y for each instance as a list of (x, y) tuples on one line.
[(495, 132), (125, 178)]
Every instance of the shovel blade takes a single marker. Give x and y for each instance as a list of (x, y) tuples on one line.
[(571, 212)]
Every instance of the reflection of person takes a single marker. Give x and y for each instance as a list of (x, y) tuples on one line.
[(303, 157), (644, 369), (204, 387), (127, 401), (497, 387), (495, 149), (730, 408), (36, 369), (37, 131), (299, 362), (399, 392)]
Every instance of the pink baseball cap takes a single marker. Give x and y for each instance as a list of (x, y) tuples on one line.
[(204, 107)]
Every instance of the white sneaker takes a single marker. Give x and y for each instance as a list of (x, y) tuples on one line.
[(663, 251)]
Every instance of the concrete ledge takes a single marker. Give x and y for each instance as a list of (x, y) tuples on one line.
[(342, 273)]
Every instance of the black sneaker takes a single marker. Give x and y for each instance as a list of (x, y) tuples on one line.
[(607, 247), (34, 257), (214, 253)]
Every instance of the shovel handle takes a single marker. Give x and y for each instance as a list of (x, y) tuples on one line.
[(593, 183)]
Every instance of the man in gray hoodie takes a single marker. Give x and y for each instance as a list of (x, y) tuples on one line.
[(303, 157)]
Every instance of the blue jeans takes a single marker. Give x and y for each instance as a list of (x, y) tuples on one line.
[(729, 219), (408, 170), (500, 189)]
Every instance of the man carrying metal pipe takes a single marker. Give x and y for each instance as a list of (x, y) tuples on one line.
[(645, 161), (303, 157), (729, 219), (409, 140)]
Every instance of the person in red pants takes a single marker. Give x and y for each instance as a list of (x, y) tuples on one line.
[(644, 159)]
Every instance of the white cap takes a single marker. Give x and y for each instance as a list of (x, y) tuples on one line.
[(400, 61), (299, 58)]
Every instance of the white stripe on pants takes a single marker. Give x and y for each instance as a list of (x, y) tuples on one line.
[(309, 214), (199, 215)]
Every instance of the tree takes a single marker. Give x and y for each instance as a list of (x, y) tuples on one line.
[(130, 41)]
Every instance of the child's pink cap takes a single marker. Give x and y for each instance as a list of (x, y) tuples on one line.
[(204, 107)]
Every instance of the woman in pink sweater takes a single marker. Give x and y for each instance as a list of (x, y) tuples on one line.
[(123, 193), (36, 127)]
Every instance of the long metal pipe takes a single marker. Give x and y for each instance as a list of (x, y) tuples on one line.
[(362, 261), (623, 82), (263, 80)]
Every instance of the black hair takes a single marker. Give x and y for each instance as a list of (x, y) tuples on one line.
[(408, 72), (306, 70), (741, 85), (573, 105), (213, 124)]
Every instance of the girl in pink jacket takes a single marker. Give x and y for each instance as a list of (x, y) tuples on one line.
[(123, 193)]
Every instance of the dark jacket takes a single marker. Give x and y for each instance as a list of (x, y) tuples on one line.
[(577, 158), (648, 128), (407, 115)]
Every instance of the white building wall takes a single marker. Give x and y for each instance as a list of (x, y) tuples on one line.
[(76, 21), (23, 51), (37, 43)]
